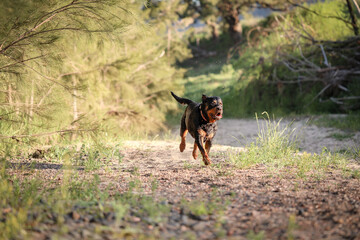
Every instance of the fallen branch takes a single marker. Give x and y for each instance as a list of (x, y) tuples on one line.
[(321, 92), (324, 54), (15, 137)]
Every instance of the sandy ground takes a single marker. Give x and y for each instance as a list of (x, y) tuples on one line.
[(275, 205), (310, 138), (323, 209)]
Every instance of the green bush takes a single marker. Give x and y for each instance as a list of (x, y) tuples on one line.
[(260, 86)]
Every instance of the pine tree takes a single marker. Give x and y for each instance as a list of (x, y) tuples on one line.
[(67, 64)]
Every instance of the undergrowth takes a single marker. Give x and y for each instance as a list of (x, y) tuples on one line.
[(33, 203), (254, 78), (349, 122), (275, 148), (29, 201)]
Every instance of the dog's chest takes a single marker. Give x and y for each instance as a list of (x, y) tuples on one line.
[(209, 130)]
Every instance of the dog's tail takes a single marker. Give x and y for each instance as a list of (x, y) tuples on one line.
[(181, 100)]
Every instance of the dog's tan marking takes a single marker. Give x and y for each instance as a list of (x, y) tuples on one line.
[(207, 147), (183, 139), (210, 113), (206, 159), (195, 151), (201, 132)]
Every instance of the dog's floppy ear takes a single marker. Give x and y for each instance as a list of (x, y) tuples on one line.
[(204, 97)]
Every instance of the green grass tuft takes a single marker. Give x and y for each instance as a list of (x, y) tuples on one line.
[(275, 148), (350, 122), (255, 236)]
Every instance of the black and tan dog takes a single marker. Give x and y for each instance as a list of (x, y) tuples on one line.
[(199, 119)]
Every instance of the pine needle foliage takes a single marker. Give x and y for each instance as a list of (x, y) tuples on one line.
[(80, 66)]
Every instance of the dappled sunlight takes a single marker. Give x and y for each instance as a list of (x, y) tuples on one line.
[(89, 137)]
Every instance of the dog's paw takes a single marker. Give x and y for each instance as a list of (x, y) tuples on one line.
[(182, 146), (206, 160), (195, 154)]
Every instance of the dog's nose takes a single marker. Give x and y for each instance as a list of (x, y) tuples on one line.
[(218, 108)]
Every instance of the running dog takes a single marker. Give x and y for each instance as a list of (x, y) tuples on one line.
[(200, 120)]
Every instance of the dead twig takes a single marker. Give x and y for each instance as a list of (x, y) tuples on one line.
[(47, 133), (324, 54)]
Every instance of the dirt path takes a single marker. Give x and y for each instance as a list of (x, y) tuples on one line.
[(281, 206), (236, 134), (217, 202), (252, 200), (310, 138)]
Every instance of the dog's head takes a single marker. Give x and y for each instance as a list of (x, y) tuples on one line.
[(213, 107)]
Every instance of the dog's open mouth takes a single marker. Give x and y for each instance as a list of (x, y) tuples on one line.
[(219, 115)]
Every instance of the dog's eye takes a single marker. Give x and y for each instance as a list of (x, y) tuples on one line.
[(214, 102)]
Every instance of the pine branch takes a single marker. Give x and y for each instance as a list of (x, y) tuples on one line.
[(16, 137), (22, 61), (44, 76), (45, 96), (49, 16)]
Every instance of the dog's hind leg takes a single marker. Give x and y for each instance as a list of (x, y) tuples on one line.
[(183, 132), (195, 151)]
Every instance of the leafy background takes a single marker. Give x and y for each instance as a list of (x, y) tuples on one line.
[(71, 68)]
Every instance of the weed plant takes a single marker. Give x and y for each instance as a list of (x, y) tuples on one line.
[(350, 122), (275, 148), (202, 206), (255, 236), (33, 202), (16, 200)]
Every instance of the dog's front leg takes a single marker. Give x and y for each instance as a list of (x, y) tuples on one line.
[(208, 145), (199, 140)]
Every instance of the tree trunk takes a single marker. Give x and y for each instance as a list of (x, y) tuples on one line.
[(235, 27), (231, 16), (125, 49), (17, 108), (75, 108), (236, 32), (356, 5), (214, 30), (10, 95), (168, 41), (168, 23), (31, 111), (353, 18)]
